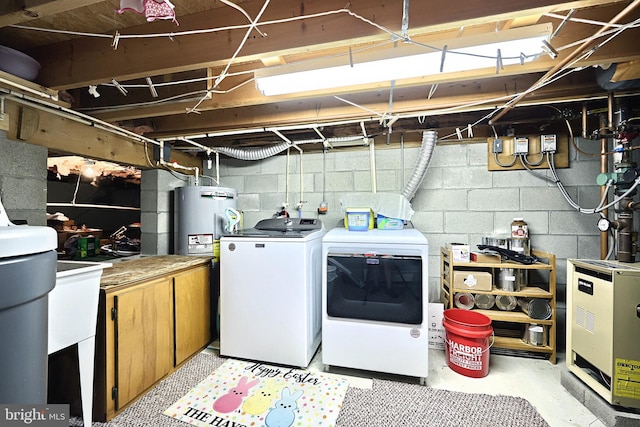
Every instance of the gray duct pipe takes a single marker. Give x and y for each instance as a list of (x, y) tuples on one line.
[(429, 139), (257, 153)]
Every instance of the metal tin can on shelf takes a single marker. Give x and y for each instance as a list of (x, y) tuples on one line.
[(535, 335), (520, 245), (498, 241), (485, 301), (510, 279), (464, 300), (506, 302), (536, 308)]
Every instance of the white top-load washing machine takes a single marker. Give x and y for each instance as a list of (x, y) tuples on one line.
[(375, 301), (270, 289)]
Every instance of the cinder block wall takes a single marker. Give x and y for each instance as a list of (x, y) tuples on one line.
[(156, 210), (459, 200), (23, 180)]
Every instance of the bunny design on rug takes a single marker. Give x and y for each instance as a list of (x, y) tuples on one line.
[(261, 400), (233, 399), (283, 414)]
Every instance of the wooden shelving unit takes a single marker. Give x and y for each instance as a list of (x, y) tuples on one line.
[(509, 326)]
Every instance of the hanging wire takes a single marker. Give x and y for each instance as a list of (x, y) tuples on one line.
[(525, 161), (223, 75), (572, 59), (615, 30), (244, 12), (534, 172)]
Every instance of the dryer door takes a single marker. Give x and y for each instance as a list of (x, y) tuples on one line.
[(386, 288)]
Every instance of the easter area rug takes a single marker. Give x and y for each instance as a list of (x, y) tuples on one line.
[(254, 394)]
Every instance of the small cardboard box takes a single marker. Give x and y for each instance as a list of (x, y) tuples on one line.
[(472, 280), (460, 252), (485, 257), (436, 329)]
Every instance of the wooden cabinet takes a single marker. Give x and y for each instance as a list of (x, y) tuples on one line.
[(192, 295), (146, 329), (510, 326), (142, 322)]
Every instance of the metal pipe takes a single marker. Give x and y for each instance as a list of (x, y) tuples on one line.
[(585, 117), (87, 205), (610, 108), (604, 235), (372, 163), (626, 252), (405, 19), (624, 221), (37, 92), (402, 155), (566, 60), (302, 201), (286, 180)]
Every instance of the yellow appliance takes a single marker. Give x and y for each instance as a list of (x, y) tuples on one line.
[(603, 321)]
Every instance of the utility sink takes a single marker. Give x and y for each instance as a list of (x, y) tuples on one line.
[(73, 303), (73, 314)]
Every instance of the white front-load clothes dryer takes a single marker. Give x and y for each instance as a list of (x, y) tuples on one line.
[(375, 301), (270, 291)]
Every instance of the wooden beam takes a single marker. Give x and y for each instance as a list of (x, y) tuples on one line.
[(627, 71), (247, 95), (85, 61), (60, 133), (482, 94), (16, 84), (19, 11)]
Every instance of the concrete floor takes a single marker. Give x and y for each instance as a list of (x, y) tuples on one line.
[(536, 380)]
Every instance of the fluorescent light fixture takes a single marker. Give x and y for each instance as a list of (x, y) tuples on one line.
[(411, 60)]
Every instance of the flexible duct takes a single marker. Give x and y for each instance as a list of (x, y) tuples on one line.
[(424, 157), (257, 153), (260, 153), (429, 139)]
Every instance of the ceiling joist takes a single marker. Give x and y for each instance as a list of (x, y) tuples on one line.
[(185, 62)]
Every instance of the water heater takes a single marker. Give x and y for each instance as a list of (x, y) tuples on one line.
[(199, 218), (603, 319)]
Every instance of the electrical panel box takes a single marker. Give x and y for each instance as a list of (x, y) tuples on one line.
[(166, 153), (549, 143), (603, 319), (497, 145), (505, 153), (521, 145)]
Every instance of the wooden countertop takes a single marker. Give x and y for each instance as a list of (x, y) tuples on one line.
[(130, 271)]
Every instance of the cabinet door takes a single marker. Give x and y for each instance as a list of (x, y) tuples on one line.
[(143, 338), (192, 295)]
